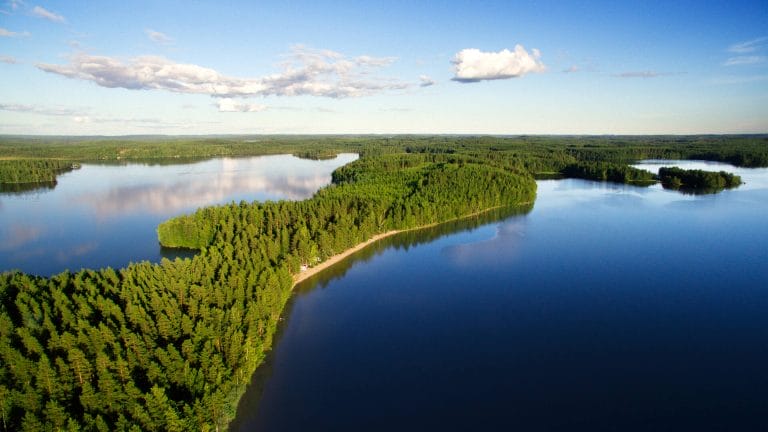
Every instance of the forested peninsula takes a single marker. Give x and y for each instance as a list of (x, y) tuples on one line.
[(171, 346), (24, 174)]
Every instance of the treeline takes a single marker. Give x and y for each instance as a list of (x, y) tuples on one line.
[(171, 346), (32, 170), (756, 158), (316, 154), (739, 150), (606, 171), (536, 154), (697, 180), (87, 149)]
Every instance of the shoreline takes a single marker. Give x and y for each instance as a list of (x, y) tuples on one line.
[(311, 271)]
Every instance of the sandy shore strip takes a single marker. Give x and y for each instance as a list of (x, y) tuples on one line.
[(308, 273)]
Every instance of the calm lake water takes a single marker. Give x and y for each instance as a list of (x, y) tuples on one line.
[(606, 307), (107, 215)]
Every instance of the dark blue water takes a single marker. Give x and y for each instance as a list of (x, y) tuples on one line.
[(107, 215), (606, 307)]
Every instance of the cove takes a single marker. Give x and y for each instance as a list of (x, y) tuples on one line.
[(608, 307), (106, 215)]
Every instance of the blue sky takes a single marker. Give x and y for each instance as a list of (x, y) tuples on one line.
[(165, 67)]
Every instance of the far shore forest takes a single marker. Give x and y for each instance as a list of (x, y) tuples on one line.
[(171, 346)]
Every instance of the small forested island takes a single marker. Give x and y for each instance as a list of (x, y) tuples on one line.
[(316, 154), (172, 346), (697, 180), (607, 171)]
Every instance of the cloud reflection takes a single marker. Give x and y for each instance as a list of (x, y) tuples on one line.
[(17, 235), (501, 247), (76, 251), (195, 189)]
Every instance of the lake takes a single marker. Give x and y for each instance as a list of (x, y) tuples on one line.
[(605, 307), (107, 215)]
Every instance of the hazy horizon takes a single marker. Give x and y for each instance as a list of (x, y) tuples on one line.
[(382, 134)]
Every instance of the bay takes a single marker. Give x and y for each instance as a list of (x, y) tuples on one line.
[(107, 215), (606, 307)]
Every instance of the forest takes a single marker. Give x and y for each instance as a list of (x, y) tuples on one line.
[(24, 171), (535, 154), (171, 346), (607, 171), (697, 180)]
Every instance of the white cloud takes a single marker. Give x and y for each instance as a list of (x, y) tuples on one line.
[(8, 60), (143, 122), (8, 33), (304, 72), (572, 69), (425, 81), (84, 116), (472, 65), (43, 110), (231, 105), (46, 14), (747, 46), (374, 61), (640, 74), (158, 37), (744, 60), (13, 6)]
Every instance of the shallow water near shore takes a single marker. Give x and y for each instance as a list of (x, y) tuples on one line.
[(606, 307)]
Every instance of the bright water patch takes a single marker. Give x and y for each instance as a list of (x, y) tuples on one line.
[(107, 215)]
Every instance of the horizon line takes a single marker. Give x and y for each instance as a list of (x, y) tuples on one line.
[(374, 134)]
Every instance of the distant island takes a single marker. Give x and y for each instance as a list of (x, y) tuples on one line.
[(697, 181), (171, 346)]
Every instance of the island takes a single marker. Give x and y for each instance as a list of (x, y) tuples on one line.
[(697, 181)]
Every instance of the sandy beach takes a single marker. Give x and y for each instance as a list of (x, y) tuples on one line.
[(306, 274)]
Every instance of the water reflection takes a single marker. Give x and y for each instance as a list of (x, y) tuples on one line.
[(501, 247), (17, 235), (164, 199), (26, 188), (570, 192), (77, 251), (608, 307), (248, 406), (107, 214), (408, 239)]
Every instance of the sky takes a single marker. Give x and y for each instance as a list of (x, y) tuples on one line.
[(383, 67)]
